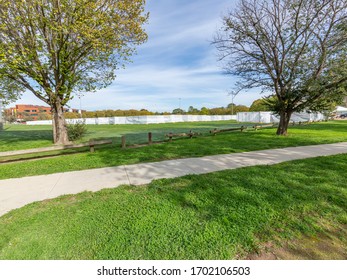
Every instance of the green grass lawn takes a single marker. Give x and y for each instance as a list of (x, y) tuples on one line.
[(222, 215), (19, 137), (318, 133)]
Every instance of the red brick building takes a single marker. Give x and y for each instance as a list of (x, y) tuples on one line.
[(31, 112), (21, 112)]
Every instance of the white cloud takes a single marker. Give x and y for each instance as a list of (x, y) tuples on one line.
[(178, 61)]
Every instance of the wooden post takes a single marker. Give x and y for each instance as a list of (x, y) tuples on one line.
[(190, 134), (91, 145), (123, 142), (170, 137), (150, 138)]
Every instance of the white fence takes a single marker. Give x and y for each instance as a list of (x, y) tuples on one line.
[(144, 119), (270, 117)]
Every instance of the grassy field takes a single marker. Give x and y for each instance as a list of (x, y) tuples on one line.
[(318, 133), (19, 137), (222, 215)]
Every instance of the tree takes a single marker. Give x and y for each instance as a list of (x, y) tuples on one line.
[(71, 115), (25, 116), (218, 111), (231, 106), (88, 115), (240, 108), (344, 102), (260, 105), (204, 111), (9, 90), (8, 117), (178, 111), (44, 116), (55, 48), (193, 111), (295, 49)]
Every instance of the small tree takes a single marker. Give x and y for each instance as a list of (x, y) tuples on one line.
[(295, 49), (240, 108), (193, 111), (54, 48), (258, 106), (178, 111), (204, 111)]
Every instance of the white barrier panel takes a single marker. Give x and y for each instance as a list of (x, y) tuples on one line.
[(143, 119), (47, 122), (254, 117), (270, 117)]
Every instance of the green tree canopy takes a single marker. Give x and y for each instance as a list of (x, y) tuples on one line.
[(259, 106), (54, 48), (178, 111), (204, 111), (240, 108), (193, 111), (10, 91)]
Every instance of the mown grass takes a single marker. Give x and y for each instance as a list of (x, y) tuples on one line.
[(222, 215), (20, 137), (319, 133)]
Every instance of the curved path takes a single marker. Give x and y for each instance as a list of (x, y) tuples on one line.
[(15, 193)]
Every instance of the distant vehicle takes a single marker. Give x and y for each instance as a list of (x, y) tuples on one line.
[(342, 116)]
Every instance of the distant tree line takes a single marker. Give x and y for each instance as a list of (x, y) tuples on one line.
[(257, 105), (231, 109), (108, 113), (228, 110)]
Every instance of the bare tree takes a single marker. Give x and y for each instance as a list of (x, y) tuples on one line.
[(55, 48), (293, 49)]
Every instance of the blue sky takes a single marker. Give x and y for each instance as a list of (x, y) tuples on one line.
[(177, 65)]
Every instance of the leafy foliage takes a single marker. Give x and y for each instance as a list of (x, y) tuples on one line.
[(76, 131), (54, 48), (259, 105), (10, 91)]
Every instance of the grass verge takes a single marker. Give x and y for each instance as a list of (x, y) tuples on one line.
[(319, 133), (222, 215)]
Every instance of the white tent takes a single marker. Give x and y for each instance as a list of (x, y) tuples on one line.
[(341, 110)]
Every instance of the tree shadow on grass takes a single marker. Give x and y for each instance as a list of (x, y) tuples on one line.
[(262, 203), (24, 138)]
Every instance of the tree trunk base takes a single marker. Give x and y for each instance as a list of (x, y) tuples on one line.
[(60, 134), (282, 129)]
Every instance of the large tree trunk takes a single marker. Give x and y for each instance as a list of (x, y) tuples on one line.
[(60, 136), (284, 122)]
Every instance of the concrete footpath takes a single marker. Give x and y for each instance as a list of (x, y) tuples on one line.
[(15, 193)]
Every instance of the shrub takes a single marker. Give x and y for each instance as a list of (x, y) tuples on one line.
[(76, 131)]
